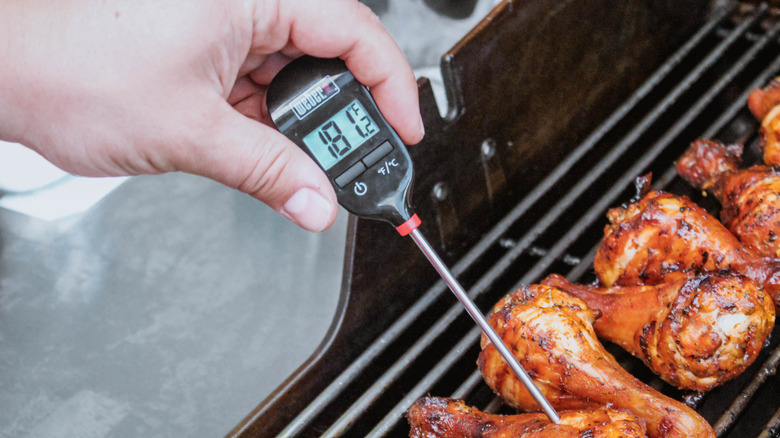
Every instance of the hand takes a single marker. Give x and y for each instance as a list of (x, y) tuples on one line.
[(151, 86)]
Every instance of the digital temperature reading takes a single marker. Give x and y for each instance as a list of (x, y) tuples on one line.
[(341, 134)]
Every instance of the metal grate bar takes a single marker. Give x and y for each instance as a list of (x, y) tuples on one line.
[(468, 385), (387, 423), (585, 263), (494, 406), (728, 115), (380, 385), (587, 145), (728, 418), (609, 198), (339, 384), (618, 151), (671, 173), (772, 429)]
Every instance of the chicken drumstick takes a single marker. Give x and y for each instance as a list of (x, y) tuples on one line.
[(434, 417), (696, 332), (750, 197), (551, 334), (764, 103), (663, 233)]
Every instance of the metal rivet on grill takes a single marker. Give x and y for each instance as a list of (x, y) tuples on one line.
[(488, 148), (495, 180), (440, 192), (446, 217)]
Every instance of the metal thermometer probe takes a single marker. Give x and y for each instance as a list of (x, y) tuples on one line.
[(491, 334), (320, 106)]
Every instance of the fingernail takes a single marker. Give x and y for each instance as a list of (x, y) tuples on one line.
[(308, 209), (422, 127)]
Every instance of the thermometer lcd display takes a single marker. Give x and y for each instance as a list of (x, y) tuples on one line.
[(340, 134)]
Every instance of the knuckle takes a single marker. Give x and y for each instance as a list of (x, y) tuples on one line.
[(266, 177), (365, 13)]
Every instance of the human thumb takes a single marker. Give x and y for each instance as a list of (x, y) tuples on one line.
[(260, 161)]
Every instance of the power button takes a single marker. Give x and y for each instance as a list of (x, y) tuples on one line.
[(360, 188)]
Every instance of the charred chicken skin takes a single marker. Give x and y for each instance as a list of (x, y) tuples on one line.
[(764, 103), (434, 417), (706, 164), (762, 100), (696, 332), (664, 233), (750, 197), (551, 334)]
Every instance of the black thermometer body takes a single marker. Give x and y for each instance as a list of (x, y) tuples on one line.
[(320, 106)]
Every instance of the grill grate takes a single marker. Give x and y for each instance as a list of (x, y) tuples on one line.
[(767, 370), (432, 347)]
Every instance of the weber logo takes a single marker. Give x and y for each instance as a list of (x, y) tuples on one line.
[(315, 96)]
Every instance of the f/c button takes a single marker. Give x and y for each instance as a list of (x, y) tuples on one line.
[(377, 154)]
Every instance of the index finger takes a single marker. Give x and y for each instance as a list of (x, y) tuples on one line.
[(351, 31)]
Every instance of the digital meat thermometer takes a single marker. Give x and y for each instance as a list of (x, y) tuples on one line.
[(320, 106)]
